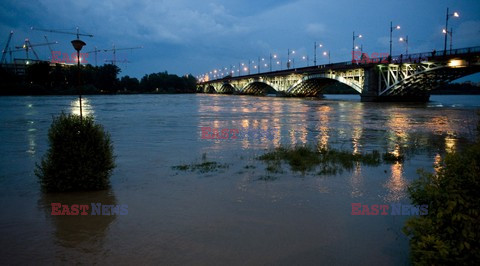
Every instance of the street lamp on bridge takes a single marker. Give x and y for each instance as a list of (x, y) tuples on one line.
[(456, 15), (272, 56), (305, 57), (315, 52), (405, 40), (449, 32), (391, 31), (353, 44), (288, 57), (327, 54)]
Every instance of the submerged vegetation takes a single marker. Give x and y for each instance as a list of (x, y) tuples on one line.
[(204, 166), (326, 161), (450, 233), (80, 156)]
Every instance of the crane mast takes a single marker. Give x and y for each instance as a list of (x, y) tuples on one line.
[(4, 52)]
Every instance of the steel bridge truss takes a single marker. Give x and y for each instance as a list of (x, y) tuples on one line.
[(419, 78)]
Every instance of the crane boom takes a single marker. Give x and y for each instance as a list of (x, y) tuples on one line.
[(4, 52), (114, 49), (95, 51), (49, 47), (29, 46), (64, 32)]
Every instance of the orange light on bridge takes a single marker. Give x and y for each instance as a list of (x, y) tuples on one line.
[(455, 63)]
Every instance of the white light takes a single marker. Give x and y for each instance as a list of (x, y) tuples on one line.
[(398, 27), (324, 53), (457, 63), (444, 31), (455, 14), (360, 36)]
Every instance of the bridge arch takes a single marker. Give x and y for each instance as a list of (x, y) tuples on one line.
[(209, 89), (311, 85), (258, 87), (226, 88)]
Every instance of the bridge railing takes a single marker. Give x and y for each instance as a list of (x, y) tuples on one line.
[(418, 57), (407, 58)]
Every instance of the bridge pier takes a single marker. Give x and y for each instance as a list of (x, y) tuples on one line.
[(371, 90)]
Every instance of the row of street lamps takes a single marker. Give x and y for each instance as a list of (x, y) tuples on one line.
[(291, 63)]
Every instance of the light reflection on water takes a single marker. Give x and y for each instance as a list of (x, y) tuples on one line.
[(87, 109), (228, 216)]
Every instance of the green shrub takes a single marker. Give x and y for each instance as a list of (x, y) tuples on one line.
[(80, 156), (450, 233)]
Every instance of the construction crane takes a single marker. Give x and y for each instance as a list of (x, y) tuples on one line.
[(114, 49), (28, 46), (117, 61), (95, 51), (4, 52), (78, 34)]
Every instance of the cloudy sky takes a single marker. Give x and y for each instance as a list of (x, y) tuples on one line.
[(197, 36)]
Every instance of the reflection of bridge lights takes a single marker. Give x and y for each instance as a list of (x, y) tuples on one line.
[(397, 184), (450, 144), (436, 163)]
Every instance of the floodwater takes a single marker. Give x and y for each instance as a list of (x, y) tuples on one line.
[(231, 216)]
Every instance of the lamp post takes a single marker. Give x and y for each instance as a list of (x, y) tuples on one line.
[(305, 57), (353, 44), (315, 52), (405, 40), (78, 45), (454, 14), (272, 56), (288, 57), (449, 32), (391, 31), (327, 54)]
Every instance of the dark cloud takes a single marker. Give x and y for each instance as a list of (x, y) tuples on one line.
[(186, 36)]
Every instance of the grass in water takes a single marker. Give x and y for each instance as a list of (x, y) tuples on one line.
[(204, 167), (304, 159)]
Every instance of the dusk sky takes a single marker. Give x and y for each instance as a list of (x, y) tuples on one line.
[(187, 36)]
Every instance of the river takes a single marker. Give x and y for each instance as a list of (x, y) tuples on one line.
[(231, 215)]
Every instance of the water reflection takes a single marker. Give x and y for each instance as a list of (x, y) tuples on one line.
[(356, 182), (87, 108), (397, 184), (86, 232), (31, 135)]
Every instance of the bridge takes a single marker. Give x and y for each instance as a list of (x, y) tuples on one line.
[(400, 78)]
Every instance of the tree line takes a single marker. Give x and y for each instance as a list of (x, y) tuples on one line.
[(43, 79)]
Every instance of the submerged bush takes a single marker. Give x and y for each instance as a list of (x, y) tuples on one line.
[(450, 233), (80, 156), (304, 159)]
